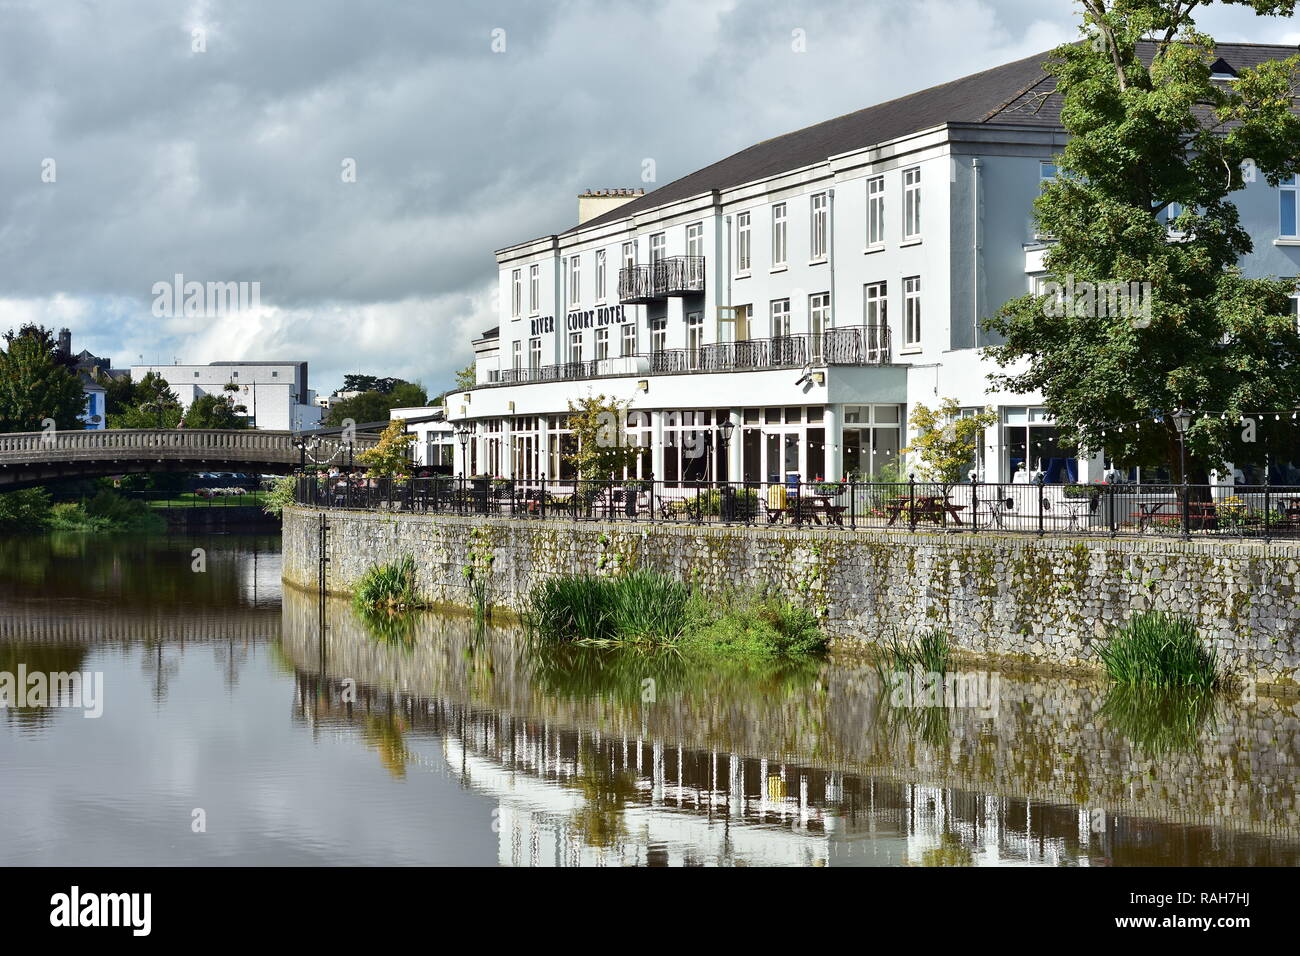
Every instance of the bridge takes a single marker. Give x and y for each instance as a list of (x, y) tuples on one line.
[(33, 458)]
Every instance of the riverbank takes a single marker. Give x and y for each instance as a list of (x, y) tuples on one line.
[(1015, 599)]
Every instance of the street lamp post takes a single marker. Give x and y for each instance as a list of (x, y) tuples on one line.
[(727, 498), (1183, 421)]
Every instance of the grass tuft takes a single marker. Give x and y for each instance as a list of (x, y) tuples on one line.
[(646, 607), (1156, 649)]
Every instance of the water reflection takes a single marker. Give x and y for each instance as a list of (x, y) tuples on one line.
[(458, 745), (596, 756)]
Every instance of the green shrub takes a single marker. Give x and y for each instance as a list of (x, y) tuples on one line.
[(1159, 650), (26, 510), (388, 587), (645, 607), (769, 628)]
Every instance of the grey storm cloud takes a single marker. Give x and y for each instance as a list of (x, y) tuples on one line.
[(226, 164)]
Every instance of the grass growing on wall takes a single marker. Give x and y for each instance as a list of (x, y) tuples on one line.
[(1156, 649), (645, 607), (930, 654), (388, 587)]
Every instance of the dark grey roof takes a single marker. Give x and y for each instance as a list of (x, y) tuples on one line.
[(1019, 93)]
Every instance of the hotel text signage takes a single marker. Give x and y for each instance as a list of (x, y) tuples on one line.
[(605, 315)]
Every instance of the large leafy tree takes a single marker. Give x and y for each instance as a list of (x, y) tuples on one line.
[(374, 405), (148, 403), (214, 411), (37, 383), (391, 455), (1152, 135)]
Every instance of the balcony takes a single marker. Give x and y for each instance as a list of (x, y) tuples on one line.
[(673, 276), (855, 345)]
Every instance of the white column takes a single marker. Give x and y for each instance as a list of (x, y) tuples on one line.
[(480, 446), (834, 444), (544, 449), (736, 450), (657, 443)]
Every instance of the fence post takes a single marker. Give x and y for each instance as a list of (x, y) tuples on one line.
[(974, 503), (1110, 505), (1187, 511), (853, 503), (1042, 501), (911, 499), (1268, 504)]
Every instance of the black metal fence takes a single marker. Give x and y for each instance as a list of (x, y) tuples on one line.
[(1190, 511)]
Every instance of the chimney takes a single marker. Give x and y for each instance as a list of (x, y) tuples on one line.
[(597, 202)]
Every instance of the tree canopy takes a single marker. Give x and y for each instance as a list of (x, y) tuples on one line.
[(1156, 147), (373, 406), (37, 382)]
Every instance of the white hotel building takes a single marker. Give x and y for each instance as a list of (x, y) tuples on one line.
[(812, 289)]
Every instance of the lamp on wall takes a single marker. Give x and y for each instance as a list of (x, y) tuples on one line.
[(819, 378), (643, 385)]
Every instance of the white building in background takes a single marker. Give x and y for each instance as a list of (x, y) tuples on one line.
[(811, 290), (275, 394), (435, 439)]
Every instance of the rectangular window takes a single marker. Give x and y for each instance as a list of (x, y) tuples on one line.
[(912, 203), (694, 337), (629, 254), (516, 293), (912, 312), (600, 275), (778, 236), (819, 312), (695, 239), (575, 280), (535, 354), (534, 289), (575, 346), (1287, 207), (629, 339), (876, 211), (602, 344), (874, 305), (780, 318), (817, 227), (518, 358), (743, 251), (658, 245), (658, 335)]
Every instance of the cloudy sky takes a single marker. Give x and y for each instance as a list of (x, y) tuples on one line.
[(472, 124)]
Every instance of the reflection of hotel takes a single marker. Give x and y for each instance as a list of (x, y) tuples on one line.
[(811, 290)]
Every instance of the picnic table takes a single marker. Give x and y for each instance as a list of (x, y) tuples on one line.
[(813, 508), (1201, 513), (924, 506)]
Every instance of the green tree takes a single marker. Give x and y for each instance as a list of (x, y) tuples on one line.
[(599, 425), (214, 411), (466, 377), (391, 455), (1153, 135), (366, 407), (36, 383), (25, 510), (149, 403), (947, 441)]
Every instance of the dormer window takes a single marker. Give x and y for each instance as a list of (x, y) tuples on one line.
[(1221, 69)]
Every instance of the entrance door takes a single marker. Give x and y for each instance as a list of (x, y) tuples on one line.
[(782, 454)]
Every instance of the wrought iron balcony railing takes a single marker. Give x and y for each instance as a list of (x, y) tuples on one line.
[(854, 345), (673, 276)]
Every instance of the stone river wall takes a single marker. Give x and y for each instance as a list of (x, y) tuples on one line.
[(1037, 601)]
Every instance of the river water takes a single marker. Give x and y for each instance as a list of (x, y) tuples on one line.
[(236, 729)]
